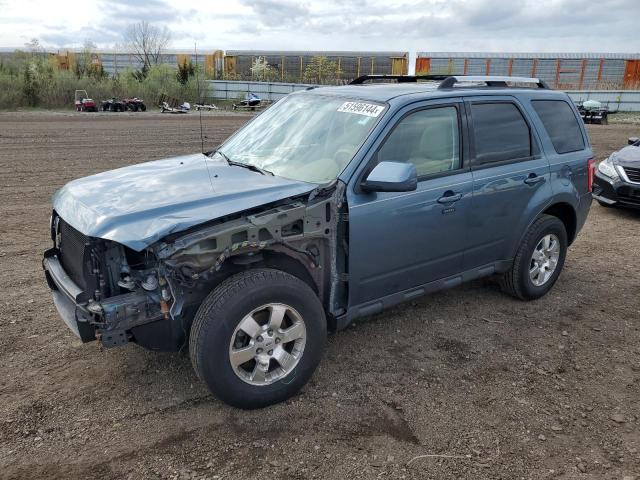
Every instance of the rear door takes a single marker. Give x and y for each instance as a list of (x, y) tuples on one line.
[(565, 143), (511, 178)]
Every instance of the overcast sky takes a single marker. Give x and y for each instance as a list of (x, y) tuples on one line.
[(381, 25)]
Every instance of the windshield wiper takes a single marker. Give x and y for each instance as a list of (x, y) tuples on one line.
[(243, 165), (250, 167)]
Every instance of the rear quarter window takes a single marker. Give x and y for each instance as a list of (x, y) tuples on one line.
[(561, 124)]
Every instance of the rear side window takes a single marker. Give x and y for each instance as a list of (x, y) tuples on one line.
[(561, 125), (500, 132)]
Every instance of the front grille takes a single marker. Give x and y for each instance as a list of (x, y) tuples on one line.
[(633, 174), (72, 248)]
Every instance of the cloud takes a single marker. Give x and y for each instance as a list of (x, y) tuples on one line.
[(275, 13), (124, 11), (61, 37), (398, 25)]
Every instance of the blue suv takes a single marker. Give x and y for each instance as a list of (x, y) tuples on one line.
[(333, 204)]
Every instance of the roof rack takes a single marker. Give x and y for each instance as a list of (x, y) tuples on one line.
[(450, 81), (399, 78)]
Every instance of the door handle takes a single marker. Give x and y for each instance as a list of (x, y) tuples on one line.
[(449, 197), (533, 179)]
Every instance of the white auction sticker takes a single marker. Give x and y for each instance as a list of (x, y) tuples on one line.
[(361, 108)]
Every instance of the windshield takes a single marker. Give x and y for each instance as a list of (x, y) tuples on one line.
[(304, 137)]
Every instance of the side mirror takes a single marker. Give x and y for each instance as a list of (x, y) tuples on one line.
[(391, 177), (633, 140)]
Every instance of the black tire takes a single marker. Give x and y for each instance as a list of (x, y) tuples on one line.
[(516, 282), (143, 107), (133, 107), (220, 314)]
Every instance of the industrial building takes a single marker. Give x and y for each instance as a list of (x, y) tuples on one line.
[(565, 71)]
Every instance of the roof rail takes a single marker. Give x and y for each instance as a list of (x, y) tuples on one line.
[(450, 81), (399, 78), (490, 81)]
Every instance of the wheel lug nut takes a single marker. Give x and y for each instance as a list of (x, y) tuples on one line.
[(270, 352), (259, 338), (259, 350), (270, 332), (277, 340)]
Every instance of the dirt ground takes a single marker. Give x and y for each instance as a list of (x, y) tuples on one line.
[(466, 383)]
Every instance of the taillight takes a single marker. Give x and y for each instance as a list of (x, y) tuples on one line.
[(591, 170)]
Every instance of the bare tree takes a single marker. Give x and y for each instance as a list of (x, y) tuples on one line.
[(34, 46), (147, 42)]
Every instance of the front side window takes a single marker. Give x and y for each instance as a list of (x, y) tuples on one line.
[(561, 124), (429, 139), (305, 137), (500, 133)]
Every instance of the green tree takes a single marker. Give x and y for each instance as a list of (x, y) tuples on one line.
[(262, 71), (322, 71), (29, 85), (185, 71)]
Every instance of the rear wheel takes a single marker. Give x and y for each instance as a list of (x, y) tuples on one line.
[(143, 107), (258, 337), (539, 260)]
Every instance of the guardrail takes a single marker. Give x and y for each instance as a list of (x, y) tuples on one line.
[(622, 100), (236, 90)]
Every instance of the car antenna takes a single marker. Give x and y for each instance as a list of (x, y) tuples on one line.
[(195, 49)]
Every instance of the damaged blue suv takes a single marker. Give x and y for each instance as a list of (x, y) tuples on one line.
[(333, 204)]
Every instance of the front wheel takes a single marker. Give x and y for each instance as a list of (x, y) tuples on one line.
[(258, 338), (539, 260)]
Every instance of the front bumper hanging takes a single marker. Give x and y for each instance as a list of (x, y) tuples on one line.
[(69, 299), (616, 192)]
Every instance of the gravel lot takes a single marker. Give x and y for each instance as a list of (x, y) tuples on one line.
[(466, 383)]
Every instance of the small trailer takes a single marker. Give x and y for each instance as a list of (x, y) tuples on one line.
[(595, 112), (205, 106)]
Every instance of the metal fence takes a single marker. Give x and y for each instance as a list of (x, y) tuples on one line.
[(236, 90), (621, 100)]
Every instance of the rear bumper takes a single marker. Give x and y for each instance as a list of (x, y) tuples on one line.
[(69, 299), (616, 192)]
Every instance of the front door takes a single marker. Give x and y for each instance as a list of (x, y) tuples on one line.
[(398, 241)]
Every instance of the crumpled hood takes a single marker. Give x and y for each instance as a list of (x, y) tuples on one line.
[(138, 205), (628, 156)]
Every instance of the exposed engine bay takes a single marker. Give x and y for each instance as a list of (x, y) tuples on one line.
[(150, 296)]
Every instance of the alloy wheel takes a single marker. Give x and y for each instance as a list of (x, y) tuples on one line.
[(267, 344), (544, 259)]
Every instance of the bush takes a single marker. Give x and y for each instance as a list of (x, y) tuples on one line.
[(31, 81)]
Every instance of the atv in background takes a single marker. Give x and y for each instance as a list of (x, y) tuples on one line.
[(113, 105), (83, 103), (134, 104)]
